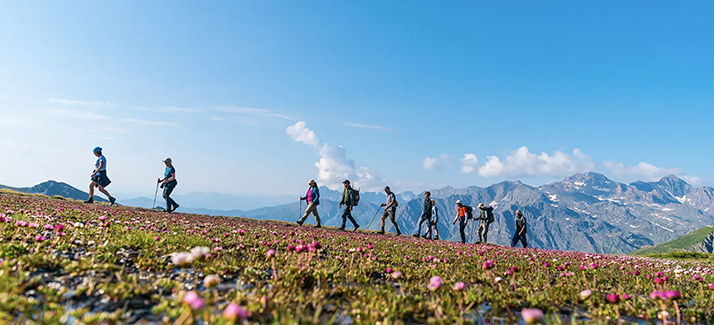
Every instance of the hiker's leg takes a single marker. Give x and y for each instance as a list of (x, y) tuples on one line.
[(345, 212), (91, 189), (436, 230), (515, 239), (462, 230), (480, 231), (384, 217), (101, 189), (317, 216), (349, 215), (485, 233), (393, 218), (428, 226), (523, 241), (306, 213)]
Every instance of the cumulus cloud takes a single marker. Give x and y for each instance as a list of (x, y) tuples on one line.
[(300, 133), (469, 163), (429, 163), (334, 166), (522, 162)]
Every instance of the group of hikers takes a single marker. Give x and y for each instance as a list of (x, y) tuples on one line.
[(350, 199), (429, 215), (100, 181)]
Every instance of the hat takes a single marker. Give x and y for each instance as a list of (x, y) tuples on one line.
[(458, 201), (386, 188), (97, 149), (481, 205), (167, 160), (347, 181)]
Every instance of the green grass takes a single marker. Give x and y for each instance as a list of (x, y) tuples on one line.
[(677, 245)]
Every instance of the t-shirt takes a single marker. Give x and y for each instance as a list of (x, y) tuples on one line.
[(462, 211), (391, 198), (169, 171), (309, 196), (101, 159)]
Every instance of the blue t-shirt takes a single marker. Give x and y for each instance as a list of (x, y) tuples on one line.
[(169, 171), (101, 159)]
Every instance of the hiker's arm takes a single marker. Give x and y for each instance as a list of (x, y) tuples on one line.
[(173, 177), (101, 165)]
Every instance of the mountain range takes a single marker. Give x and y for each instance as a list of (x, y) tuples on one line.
[(54, 188), (585, 212)]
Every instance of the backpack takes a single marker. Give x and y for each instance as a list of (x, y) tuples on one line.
[(469, 212), (355, 197), (489, 215)]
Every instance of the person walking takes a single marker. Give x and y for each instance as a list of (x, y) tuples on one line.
[(435, 219), (390, 210), (348, 200), (99, 177), (486, 217), (168, 183), (313, 200), (462, 218), (521, 230), (425, 216)]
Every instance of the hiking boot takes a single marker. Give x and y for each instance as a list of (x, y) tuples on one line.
[(398, 232), (381, 232), (436, 238), (356, 227), (175, 207), (341, 228), (89, 200), (415, 235), (299, 223), (112, 200), (317, 226)]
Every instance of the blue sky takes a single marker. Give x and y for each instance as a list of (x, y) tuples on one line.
[(415, 94)]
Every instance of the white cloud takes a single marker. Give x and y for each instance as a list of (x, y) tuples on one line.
[(169, 109), (65, 101), (300, 133), (215, 118), (469, 163), (147, 122), (251, 111), (522, 162), (73, 114), (334, 166), (649, 172), (429, 163), (367, 126)]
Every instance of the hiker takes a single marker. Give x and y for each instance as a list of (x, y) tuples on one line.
[(348, 200), (521, 230), (168, 183), (462, 216), (425, 216), (486, 217), (434, 218), (390, 210), (313, 200), (99, 177)]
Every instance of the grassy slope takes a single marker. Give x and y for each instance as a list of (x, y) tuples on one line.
[(679, 244)]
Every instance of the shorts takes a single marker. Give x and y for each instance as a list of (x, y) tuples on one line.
[(102, 179)]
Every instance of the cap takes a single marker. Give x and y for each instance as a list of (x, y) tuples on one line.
[(458, 201), (386, 188), (167, 160), (481, 205), (347, 181), (97, 149)]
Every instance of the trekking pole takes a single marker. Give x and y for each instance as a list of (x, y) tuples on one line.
[(300, 211), (375, 216), (155, 193)]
